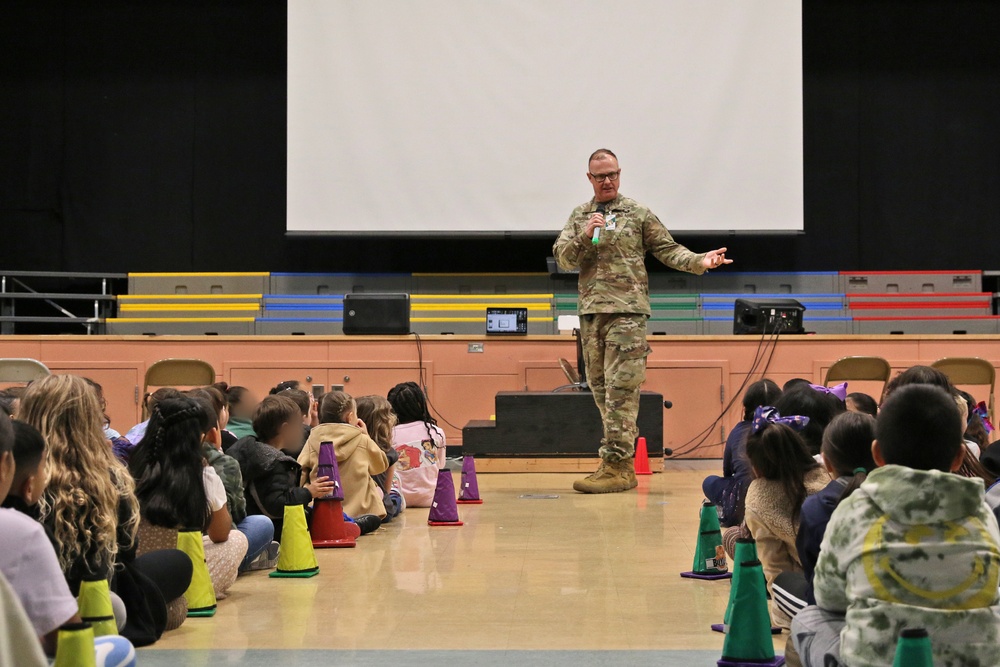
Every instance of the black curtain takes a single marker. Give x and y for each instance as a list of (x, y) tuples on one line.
[(150, 136)]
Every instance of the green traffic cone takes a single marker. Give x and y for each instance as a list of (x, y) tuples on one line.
[(94, 601), (748, 640), (745, 552), (709, 556), (75, 646), (201, 593), (913, 649)]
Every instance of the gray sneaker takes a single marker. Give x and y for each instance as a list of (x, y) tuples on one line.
[(266, 559)]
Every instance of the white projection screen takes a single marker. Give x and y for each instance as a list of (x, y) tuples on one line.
[(463, 117)]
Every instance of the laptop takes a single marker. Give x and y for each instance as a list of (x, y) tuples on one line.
[(509, 321)]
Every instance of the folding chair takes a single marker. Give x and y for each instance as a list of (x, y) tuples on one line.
[(970, 371), (859, 369)]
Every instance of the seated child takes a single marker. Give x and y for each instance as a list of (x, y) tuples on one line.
[(914, 547), (729, 491), (819, 406), (270, 477), (847, 455), (176, 490), (420, 443), (242, 408), (784, 476), (29, 562), (377, 414), (31, 474), (860, 402), (262, 549), (358, 456)]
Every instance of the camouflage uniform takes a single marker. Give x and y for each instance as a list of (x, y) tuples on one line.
[(614, 307), (228, 470), (909, 548)]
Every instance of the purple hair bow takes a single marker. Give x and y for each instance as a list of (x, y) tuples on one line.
[(838, 390), (765, 415), (984, 415)]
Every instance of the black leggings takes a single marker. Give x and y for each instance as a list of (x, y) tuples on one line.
[(169, 569)]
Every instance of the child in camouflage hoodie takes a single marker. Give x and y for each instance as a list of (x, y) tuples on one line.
[(915, 546)]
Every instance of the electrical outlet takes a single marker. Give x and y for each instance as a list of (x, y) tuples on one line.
[(475, 347)]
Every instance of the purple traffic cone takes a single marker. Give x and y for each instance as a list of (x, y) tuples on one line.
[(469, 495), (329, 530), (444, 509), (328, 468)]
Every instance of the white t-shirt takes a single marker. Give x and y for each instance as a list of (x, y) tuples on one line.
[(421, 455), (30, 564), (215, 490)]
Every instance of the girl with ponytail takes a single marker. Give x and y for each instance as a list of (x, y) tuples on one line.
[(177, 490), (419, 442)]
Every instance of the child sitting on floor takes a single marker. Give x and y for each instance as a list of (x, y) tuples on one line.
[(358, 456), (784, 476), (729, 491), (31, 470), (860, 402), (914, 547), (270, 477), (420, 443), (847, 455), (377, 414)]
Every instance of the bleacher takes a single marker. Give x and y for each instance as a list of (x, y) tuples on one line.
[(928, 302)]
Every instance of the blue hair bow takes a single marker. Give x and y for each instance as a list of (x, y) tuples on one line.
[(838, 390), (765, 415)]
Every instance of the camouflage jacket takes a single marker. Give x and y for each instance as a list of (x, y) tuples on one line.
[(613, 273), (229, 472), (918, 549)]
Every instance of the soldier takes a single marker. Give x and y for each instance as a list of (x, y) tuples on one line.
[(614, 307)]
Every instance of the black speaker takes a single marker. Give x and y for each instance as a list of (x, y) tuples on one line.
[(374, 314), (764, 316)]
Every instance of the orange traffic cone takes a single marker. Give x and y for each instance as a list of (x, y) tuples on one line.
[(329, 529), (642, 458)]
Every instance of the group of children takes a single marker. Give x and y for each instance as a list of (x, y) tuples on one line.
[(82, 502), (869, 519)]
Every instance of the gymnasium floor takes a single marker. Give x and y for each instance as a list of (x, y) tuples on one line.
[(526, 581)]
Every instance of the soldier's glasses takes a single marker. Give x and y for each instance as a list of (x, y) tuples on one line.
[(611, 176)]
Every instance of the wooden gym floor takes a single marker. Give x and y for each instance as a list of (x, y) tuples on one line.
[(548, 580)]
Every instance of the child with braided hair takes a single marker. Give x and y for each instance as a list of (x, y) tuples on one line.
[(420, 443), (176, 488)]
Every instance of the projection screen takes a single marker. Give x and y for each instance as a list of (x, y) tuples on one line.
[(463, 117)]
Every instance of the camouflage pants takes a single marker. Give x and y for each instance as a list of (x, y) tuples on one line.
[(615, 351)]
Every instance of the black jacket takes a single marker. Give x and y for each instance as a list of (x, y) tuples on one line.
[(270, 479)]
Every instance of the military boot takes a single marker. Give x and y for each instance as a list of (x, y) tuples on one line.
[(610, 477)]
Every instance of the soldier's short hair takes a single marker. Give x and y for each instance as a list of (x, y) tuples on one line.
[(919, 427), (601, 152)]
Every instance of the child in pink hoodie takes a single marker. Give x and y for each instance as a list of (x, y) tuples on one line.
[(419, 442)]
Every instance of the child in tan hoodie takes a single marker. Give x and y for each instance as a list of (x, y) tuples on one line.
[(358, 456)]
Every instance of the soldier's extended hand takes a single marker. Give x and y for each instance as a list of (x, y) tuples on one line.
[(596, 220), (715, 258)]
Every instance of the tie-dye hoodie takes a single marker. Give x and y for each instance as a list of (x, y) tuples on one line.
[(918, 549)]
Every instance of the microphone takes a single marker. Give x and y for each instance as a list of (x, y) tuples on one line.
[(597, 230)]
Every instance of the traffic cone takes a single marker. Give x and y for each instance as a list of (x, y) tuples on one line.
[(444, 509), (329, 530), (75, 646), (201, 593), (913, 649), (709, 556), (745, 551), (469, 494), (748, 640), (642, 458), (296, 558), (94, 601)]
